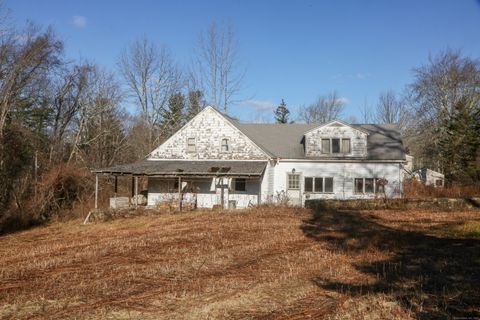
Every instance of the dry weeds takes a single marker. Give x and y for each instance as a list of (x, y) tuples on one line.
[(266, 263)]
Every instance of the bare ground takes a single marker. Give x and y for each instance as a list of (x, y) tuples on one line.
[(266, 263)]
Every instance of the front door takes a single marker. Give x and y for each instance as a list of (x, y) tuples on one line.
[(294, 194)]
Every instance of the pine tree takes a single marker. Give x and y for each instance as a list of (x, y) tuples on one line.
[(195, 104), (173, 117), (282, 113)]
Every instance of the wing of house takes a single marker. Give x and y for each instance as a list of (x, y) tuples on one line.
[(223, 161)]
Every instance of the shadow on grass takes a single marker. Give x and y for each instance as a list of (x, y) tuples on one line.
[(435, 277)]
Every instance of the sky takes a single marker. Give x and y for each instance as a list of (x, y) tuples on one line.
[(292, 50)]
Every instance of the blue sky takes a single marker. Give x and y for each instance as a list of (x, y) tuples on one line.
[(294, 50)]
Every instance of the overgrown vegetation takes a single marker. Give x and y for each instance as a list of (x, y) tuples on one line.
[(268, 263)]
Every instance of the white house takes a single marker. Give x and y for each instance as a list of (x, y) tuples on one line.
[(217, 160)]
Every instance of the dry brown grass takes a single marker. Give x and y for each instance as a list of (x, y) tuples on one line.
[(414, 189), (270, 263)]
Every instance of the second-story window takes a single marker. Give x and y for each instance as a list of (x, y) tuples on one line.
[(191, 145), (345, 145), (336, 146), (225, 146)]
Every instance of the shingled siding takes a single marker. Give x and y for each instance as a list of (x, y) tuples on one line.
[(209, 128), (313, 140)]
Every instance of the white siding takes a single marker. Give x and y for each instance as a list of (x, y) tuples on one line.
[(343, 177), (158, 192)]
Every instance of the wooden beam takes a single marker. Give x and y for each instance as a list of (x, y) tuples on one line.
[(136, 192), (116, 186), (180, 193), (96, 191)]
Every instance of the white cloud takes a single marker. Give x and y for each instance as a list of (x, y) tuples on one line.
[(260, 105), (79, 21)]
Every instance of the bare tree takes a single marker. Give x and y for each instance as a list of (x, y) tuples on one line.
[(65, 97), (217, 68), (24, 66), (366, 113), (152, 77), (325, 109), (392, 110)]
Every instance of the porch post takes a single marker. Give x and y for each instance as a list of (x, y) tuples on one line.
[(116, 186), (222, 194), (180, 193), (96, 191), (136, 192)]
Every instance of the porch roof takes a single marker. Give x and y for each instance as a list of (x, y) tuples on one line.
[(188, 168)]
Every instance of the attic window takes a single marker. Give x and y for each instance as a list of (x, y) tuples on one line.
[(191, 145), (225, 146)]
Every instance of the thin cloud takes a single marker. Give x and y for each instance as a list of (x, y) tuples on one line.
[(260, 105), (79, 21), (355, 76)]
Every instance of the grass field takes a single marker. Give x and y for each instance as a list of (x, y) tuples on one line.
[(266, 263)]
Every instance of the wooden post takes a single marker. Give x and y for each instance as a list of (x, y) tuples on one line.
[(222, 194), (133, 186), (180, 193), (116, 186), (96, 191), (136, 192)]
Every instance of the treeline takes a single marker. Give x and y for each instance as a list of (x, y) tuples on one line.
[(59, 118)]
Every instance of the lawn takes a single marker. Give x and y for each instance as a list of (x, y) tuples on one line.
[(266, 263)]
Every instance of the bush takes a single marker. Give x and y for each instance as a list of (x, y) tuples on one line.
[(60, 189)]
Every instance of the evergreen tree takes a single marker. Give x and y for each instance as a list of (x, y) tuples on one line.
[(173, 117), (195, 104), (282, 113)]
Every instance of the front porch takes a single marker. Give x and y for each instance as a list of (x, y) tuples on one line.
[(190, 184)]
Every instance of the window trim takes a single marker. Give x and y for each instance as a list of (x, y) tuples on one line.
[(299, 181), (340, 146), (228, 145), (375, 191), (194, 144), (323, 185), (235, 185)]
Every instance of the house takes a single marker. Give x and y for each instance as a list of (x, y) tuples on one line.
[(217, 160), (429, 177)]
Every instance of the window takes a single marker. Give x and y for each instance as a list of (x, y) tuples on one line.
[(225, 147), (345, 145), (380, 185), (191, 146), (318, 184), (439, 183), (293, 182), (359, 185), (308, 184), (368, 185), (240, 185), (325, 145), (328, 185), (335, 145)]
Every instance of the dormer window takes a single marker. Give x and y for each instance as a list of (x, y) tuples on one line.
[(225, 146), (336, 146)]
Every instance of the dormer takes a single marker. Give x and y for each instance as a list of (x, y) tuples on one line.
[(336, 139)]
